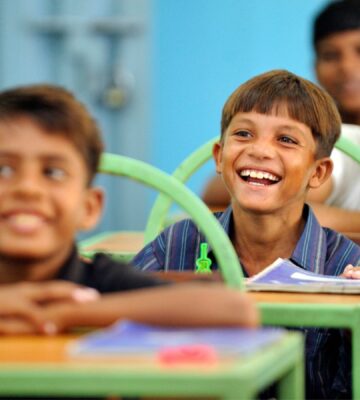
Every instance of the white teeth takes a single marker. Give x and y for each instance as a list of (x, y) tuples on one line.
[(259, 174), (253, 174), (26, 220)]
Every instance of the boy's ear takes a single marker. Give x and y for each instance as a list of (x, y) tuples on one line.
[(92, 208), (217, 154), (321, 173)]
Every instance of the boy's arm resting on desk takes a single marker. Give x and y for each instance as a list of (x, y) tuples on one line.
[(186, 304), (21, 304), (339, 219)]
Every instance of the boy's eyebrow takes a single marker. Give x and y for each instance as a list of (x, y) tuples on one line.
[(291, 128), (285, 126), (45, 157)]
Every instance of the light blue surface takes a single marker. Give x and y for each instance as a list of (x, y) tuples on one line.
[(203, 49), (186, 59)]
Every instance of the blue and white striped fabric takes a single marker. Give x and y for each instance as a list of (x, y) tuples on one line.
[(319, 250)]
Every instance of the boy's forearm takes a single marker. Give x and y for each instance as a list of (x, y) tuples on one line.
[(186, 304), (336, 218)]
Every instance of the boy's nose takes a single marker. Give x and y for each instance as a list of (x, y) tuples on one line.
[(28, 185), (261, 150), (349, 63)]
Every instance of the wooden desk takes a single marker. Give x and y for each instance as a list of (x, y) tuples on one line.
[(40, 366), (315, 310), (122, 245)]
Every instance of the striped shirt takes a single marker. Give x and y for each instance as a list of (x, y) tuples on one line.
[(319, 250)]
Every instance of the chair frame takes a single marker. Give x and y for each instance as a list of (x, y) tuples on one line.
[(173, 189)]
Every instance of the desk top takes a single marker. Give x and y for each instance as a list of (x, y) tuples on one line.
[(35, 365), (131, 242), (308, 298)]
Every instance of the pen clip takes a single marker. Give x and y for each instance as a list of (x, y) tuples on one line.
[(203, 263)]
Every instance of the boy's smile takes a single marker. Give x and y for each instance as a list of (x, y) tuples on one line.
[(44, 198), (24, 222), (268, 161)]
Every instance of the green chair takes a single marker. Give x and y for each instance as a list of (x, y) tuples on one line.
[(170, 186)]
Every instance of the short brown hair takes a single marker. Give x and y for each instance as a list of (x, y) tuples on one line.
[(57, 111), (336, 17), (305, 102)]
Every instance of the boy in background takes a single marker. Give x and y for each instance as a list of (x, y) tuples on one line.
[(49, 153), (336, 41), (277, 133)]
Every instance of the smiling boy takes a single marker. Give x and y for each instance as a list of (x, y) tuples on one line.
[(277, 133), (336, 41), (49, 152)]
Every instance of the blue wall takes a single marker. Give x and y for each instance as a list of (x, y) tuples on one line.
[(186, 58), (203, 49)]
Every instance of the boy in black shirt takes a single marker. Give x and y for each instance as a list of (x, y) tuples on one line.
[(49, 153)]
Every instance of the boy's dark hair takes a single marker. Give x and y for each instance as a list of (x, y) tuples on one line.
[(337, 16), (56, 111), (304, 101)]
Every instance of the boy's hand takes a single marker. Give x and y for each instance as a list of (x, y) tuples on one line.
[(22, 305), (351, 272), (191, 304)]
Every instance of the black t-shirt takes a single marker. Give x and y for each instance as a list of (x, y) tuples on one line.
[(105, 274)]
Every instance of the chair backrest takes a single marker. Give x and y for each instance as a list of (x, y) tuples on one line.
[(161, 207), (173, 189)]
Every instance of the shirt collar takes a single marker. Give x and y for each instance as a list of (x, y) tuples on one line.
[(225, 219), (310, 251), (72, 269)]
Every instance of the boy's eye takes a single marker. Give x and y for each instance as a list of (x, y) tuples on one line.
[(288, 140), (242, 133), (55, 173), (6, 171), (329, 56)]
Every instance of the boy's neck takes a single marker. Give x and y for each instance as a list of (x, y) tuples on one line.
[(14, 269), (260, 240)]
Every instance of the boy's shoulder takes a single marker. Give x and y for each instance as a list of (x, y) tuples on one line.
[(105, 274), (187, 226), (340, 251)]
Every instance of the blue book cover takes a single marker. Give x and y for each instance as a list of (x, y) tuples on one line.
[(285, 276), (126, 338)]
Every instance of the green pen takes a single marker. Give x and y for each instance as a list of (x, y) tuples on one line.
[(203, 263)]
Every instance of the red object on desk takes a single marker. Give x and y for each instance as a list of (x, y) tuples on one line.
[(202, 354)]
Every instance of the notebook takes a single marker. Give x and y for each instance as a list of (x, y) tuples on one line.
[(126, 338), (285, 276)]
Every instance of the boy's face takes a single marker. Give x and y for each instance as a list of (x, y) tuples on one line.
[(268, 162), (44, 199), (338, 68)]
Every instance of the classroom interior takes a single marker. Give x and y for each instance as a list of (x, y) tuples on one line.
[(156, 73)]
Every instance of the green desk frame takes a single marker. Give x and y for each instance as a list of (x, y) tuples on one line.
[(281, 362), (319, 315)]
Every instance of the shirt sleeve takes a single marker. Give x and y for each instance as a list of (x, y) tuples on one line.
[(152, 256), (109, 275)]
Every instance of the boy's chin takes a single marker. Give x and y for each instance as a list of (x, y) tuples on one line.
[(28, 253), (23, 256)]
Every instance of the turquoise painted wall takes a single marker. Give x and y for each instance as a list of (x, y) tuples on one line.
[(186, 58), (203, 49)]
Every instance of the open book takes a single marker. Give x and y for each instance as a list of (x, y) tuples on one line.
[(284, 276), (129, 338)]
